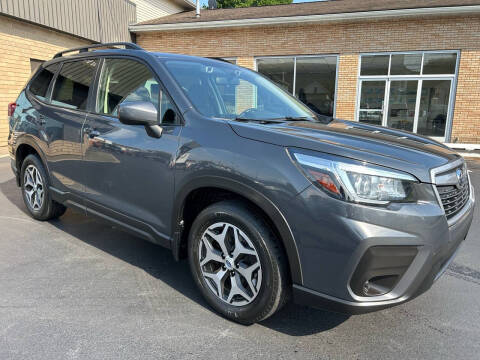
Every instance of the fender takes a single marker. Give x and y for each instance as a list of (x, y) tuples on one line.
[(28, 139), (254, 196)]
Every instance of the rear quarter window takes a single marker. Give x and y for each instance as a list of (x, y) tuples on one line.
[(41, 82)]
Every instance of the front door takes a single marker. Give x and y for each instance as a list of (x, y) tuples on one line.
[(130, 175)]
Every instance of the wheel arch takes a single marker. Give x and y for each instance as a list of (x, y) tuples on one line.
[(24, 148), (240, 190)]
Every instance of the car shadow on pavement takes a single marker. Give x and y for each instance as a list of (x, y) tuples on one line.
[(13, 194), (293, 320)]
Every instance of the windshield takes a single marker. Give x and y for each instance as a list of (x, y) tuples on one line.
[(223, 90)]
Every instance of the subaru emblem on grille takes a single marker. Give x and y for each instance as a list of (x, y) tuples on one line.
[(459, 174)]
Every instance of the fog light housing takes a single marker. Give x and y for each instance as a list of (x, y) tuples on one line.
[(380, 269), (379, 285)]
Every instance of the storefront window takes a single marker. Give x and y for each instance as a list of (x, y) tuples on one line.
[(435, 63), (408, 91), (375, 65), (406, 64), (311, 78), (278, 70), (230, 60)]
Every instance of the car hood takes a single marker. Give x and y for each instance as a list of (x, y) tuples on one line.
[(374, 144)]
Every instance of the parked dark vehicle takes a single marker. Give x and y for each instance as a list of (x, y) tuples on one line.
[(218, 164)]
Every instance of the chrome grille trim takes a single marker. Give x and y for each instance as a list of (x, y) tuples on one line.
[(454, 196)]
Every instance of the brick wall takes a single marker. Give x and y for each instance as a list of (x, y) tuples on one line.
[(348, 40), (19, 42)]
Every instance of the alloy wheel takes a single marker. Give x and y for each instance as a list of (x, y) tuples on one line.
[(33, 187), (230, 264)]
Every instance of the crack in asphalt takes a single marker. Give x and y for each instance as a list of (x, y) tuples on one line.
[(464, 272)]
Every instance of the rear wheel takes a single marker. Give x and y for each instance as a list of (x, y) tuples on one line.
[(36, 195), (237, 263)]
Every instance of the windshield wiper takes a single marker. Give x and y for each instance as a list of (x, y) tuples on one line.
[(262, 121), (294, 118)]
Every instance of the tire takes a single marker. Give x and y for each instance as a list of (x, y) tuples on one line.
[(243, 301), (35, 191)]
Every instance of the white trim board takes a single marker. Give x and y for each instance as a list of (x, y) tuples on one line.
[(362, 15)]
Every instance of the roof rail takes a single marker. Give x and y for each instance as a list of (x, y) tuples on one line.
[(80, 49)]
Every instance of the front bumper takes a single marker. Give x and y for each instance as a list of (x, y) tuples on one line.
[(331, 256)]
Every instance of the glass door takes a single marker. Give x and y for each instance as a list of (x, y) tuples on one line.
[(414, 104), (372, 101), (402, 102), (434, 106)]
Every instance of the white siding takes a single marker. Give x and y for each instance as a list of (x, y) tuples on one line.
[(151, 9), (97, 20)]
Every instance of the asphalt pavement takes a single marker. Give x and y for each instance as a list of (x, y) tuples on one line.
[(77, 288)]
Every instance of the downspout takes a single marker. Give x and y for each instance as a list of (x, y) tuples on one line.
[(198, 9)]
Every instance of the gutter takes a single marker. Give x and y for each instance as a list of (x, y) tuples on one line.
[(363, 15)]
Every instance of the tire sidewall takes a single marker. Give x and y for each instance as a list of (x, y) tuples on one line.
[(269, 287), (41, 213)]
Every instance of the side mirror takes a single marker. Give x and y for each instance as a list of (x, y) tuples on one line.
[(138, 113)]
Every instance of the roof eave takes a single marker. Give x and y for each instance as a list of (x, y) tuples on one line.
[(363, 15), (186, 4)]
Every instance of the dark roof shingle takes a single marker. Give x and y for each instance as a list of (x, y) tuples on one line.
[(303, 9)]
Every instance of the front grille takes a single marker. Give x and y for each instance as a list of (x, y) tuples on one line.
[(454, 197)]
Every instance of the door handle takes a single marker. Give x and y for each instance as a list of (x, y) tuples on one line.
[(91, 132), (41, 120)]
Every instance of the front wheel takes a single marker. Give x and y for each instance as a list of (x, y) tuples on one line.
[(237, 262)]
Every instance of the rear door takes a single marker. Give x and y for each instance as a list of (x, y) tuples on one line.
[(63, 119), (129, 174)]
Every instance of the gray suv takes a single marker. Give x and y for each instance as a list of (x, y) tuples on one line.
[(265, 198)]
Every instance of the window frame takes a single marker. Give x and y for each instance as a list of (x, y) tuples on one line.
[(420, 77), (337, 56), (54, 82), (457, 52), (93, 99)]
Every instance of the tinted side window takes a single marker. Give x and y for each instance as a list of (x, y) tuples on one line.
[(40, 83), (73, 83), (125, 80), (165, 105)]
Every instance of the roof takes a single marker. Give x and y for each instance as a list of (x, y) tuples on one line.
[(302, 9)]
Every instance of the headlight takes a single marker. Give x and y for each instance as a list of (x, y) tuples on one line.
[(350, 180)]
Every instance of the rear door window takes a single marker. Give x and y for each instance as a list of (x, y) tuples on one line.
[(73, 84), (41, 82)]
